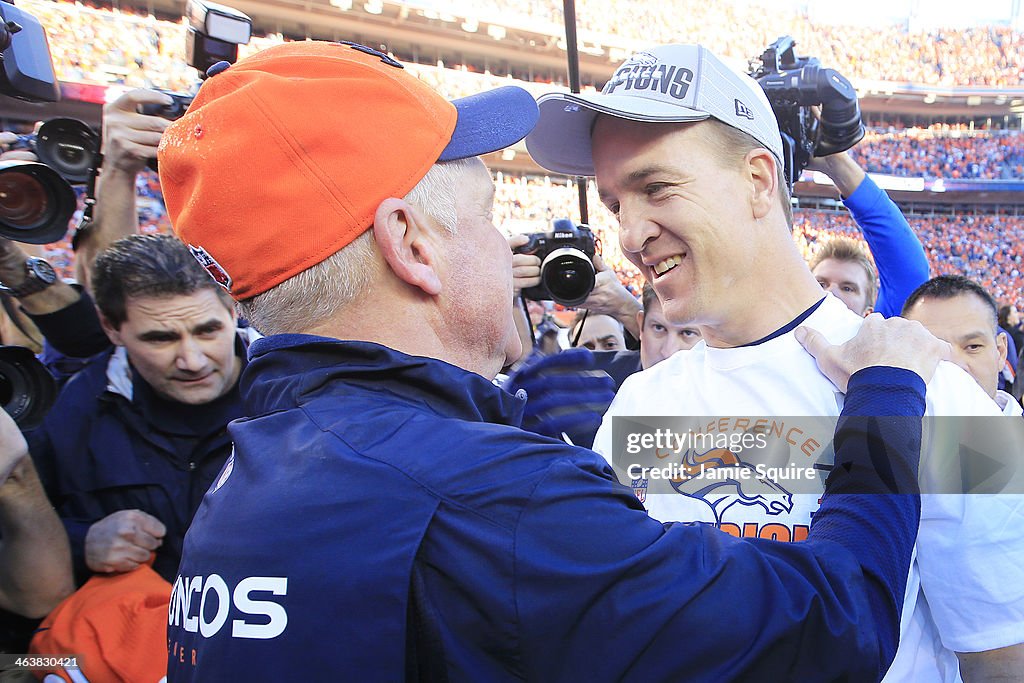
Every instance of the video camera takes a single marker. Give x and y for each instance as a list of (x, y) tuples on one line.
[(794, 84), (567, 269)]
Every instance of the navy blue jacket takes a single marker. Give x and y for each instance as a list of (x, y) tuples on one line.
[(383, 518), (104, 447)]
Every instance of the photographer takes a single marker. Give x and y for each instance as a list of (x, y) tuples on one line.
[(65, 315)]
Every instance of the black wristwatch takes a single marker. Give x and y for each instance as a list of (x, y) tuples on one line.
[(39, 275)]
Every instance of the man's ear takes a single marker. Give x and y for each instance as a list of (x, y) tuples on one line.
[(640, 320), (868, 311), (764, 181), (403, 235), (1002, 345), (112, 332)]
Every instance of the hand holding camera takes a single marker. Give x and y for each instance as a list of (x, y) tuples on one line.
[(610, 297), (566, 256), (132, 127), (17, 147)]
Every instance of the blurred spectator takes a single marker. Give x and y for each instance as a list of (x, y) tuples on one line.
[(959, 311), (1009, 320), (597, 332), (942, 152)]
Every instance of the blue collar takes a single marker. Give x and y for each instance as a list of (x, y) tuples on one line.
[(287, 370), (788, 327)]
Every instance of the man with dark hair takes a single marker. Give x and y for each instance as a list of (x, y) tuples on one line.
[(597, 332), (958, 310), (138, 435)]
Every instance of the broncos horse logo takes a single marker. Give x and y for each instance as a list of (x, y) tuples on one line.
[(721, 493)]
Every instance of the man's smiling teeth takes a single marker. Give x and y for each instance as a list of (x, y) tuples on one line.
[(668, 264)]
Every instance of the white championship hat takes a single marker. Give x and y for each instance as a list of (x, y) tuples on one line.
[(671, 83)]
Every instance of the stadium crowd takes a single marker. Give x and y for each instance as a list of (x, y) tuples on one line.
[(984, 247), (152, 374), (142, 51), (941, 152)]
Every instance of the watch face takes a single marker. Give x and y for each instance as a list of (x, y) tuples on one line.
[(43, 270)]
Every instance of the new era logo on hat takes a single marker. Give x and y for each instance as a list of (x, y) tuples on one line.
[(672, 83)]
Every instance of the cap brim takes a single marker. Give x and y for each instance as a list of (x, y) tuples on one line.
[(490, 121), (561, 140)]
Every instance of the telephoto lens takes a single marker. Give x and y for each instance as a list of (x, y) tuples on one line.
[(36, 203)]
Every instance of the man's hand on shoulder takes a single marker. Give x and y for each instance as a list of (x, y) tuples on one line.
[(892, 342)]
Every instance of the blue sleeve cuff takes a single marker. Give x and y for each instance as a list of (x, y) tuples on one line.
[(885, 390)]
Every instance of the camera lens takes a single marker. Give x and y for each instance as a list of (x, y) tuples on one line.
[(69, 146), (36, 203), (568, 276), (23, 199), (27, 389)]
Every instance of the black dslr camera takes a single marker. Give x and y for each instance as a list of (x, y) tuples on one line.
[(27, 389), (793, 84), (36, 203), (173, 111), (68, 146), (567, 269)]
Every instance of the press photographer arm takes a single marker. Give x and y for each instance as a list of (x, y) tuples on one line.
[(610, 297), (898, 254), (35, 558), (64, 316), (130, 141), (15, 274)]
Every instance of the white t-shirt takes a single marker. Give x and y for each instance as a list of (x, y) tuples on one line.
[(966, 586), (1008, 404)]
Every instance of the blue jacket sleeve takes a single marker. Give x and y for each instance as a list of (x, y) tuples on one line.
[(74, 330), (687, 602), (902, 264)]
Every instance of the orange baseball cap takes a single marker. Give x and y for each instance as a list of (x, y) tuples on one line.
[(283, 158)]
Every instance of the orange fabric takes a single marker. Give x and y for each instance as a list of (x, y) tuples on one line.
[(117, 623), (263, 213)]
